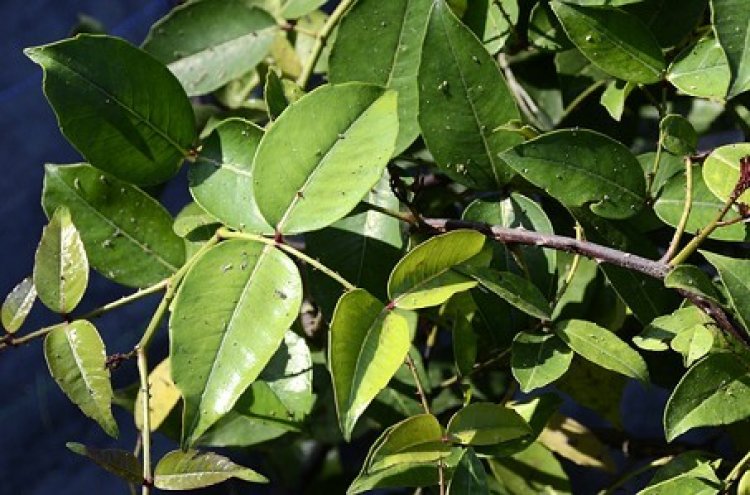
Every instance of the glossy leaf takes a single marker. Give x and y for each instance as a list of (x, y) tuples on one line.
[(692, 279), (318, 174), (678, 135), (483, 423), (381, 339), (163, 394), (657, 335), (206, 44), (614, 96), (188, 470), (121, 463), (580, 168), (118, 106), (191, 218), (127, 234), (531, 472), (424, 277), (701, 70), (731, 23), (735, 275), (221, 179), (229, 317), (721, 170), (276, 403), (669, 166), (513, 288), (463, 101), (76, 359), (670, 21), (602, 347), (539, 360), (469, 477), (406, 454), (690, 472), (705, 206), (17, 305), (545, 31), (501, 18), (381, 43), (693, 343), (615, 41), (713, 392), (61, 268)]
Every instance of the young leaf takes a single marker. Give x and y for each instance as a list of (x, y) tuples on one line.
[(424, 277), (713, 392), (721, 170), (164, 396), (513, 288), (705, 205), (367, 345), (692, 279), (615, 41), (221, 179), (206, 44), (483, 423), (657, 335), (306, 178), (735, 275), (602, 347), (678, 135), (613, 98), (17, 305), (463, 101), (121, 463), (731, 23), (229, 317), (123, 110), (545, 31), (381, 43), (76, 359), (469, 478), (127, 234), (693, 343), (61, 268), (580, 168), (701, 70), (191, 469), (539, 360)]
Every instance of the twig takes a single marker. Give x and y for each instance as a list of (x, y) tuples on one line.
[(675, 243), (320, 40), (655, 168), (418, 383), (573, 105), (736, 472), (476, 369), (706, 231), (146, 421), (398, 215)]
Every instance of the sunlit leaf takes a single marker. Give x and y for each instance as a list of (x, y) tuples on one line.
[(188, 470)]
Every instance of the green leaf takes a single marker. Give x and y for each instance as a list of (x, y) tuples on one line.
[(500, 20), (469, 478), (131, 119), (381, 43), (121, 463), (483, 423), (424, 277), (279, 94), (221, 179), (701, 70), (602, 347), (463, 101), (580, 168), (539, 360), (406, 454), (657, 335), (614, 96), (188, 470), (545, 31), (670, 21), (18, 304), (573, 441), (76, 359), (531, 472), (367, 345), (513, 288), (192, 217), (601, 3), (678, 135), (276, 403), (692, 279), (721, 170), (61, 269), (328, 167), (362, 247), (229, 317), (669, 166), (163, 397), (615, 41), (293, 9), (206, 44), (705, 206), (731, 23), (693, 343), (689, 472), (127, 234), (735, 275), (713, 392)]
